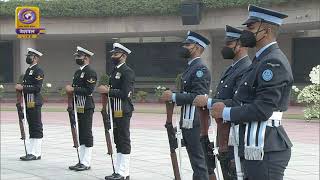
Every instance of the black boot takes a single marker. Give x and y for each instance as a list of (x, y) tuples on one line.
[(82, 167), (74, 166), (110, 176), (119, 177), (23, 157), (30, 157)]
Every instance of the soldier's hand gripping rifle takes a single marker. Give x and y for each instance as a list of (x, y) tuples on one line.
[(107, 123), (22, 117), (73, 116), (207, 146), (172, 140)]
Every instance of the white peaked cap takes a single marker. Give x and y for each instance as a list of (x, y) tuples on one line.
[(34, 51), (120, 46), (85, 51)]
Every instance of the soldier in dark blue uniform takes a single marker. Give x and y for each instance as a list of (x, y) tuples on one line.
[(31, 87), (120, 91), (227, 87), (263, 94), (195, 81), (84, 82)]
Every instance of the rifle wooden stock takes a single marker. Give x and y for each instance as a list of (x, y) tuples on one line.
[(74, 137), (169, 110), (212, 177), (171, 132), (73, 122), (223, 136), (22, 132), (108, 139), (172, 140), (175, 166), (20, 114), (204, 121), (105, 112), (106, 122)]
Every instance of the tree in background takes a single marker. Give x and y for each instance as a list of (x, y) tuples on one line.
[(310, 95)]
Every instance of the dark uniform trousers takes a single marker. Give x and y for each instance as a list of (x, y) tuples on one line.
[(32, 84), (195, 81), (122, 87), (84, 82), (121, 133), (196, 155), (226, 88), (263, 90), (35, 123), (271, 168), (85, 127)]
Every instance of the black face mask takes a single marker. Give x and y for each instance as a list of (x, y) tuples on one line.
[(80, 61), (184, 53), (29, 60), (248, 38), (228, 53)]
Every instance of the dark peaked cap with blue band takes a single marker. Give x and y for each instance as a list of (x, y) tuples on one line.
[(232, 33), (196, 38), (265, 15)]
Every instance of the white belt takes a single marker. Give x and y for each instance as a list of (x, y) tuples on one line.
[(275, 119)]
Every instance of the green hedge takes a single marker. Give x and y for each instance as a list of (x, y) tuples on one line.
[(239, 3), (95, 8)]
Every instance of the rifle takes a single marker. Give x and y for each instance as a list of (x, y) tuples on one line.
[(223, 136), (223, 130), (107, 118), (172, 140), (73, 116), (240, 174), (22, 117), (216, 154), (205, 142)]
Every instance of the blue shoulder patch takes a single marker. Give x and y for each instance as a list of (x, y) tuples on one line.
[(267, 75), (199, 73)]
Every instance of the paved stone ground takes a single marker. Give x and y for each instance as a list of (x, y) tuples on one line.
[(150, 153)]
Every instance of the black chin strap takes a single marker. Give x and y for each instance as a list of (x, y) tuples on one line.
[(258, 31), (234, 48), (192, 49), (120, 56)]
